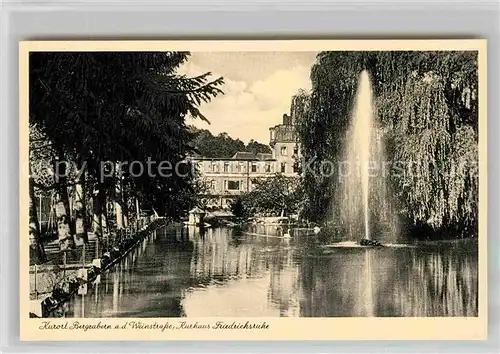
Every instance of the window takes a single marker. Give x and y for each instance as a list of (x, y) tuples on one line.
[(268, 167), (283, 151), (241, 167), (233, 185), (254, 167), (214, 167), (212, 185), (226, 166), (283, 167)]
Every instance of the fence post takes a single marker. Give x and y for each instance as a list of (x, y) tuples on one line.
[(36, 290), (83, 254), (64, 264)]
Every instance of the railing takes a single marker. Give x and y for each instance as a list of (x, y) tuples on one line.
[(61, 264)]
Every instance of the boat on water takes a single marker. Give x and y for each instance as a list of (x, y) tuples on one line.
[(367, 242)]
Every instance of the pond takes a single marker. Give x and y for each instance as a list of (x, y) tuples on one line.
[(225, 272)]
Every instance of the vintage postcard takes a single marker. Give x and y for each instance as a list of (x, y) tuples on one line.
[(253, 190)]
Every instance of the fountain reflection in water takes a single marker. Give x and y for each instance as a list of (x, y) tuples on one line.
[(366, 209), (369, 307), (224, 274)]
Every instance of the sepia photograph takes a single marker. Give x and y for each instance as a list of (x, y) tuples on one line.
[(253, 184)]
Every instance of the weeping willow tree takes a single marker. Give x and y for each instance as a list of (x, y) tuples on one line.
[(427, 106), (439, 152)]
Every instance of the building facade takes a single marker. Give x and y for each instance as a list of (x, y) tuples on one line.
[(226, 178), (285, 148)]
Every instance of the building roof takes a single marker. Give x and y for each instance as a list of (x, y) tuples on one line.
[(264, 156), (196, 210), (242, 155), (239, 156)]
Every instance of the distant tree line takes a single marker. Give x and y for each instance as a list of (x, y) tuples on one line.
[(222, 145)]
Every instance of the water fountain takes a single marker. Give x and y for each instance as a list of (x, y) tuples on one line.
[(365, 201)]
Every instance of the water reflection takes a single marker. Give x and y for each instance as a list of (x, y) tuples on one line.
[(234, 272)]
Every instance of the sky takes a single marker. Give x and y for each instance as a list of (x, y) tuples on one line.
[(258, 89)]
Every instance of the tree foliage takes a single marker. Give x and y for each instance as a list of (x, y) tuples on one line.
[(98, 107), (96, 111), (256, 147), (427, 106), (271, 196), (238, 208), (222, 145)]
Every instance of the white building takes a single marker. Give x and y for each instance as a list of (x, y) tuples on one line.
[(230, 177)]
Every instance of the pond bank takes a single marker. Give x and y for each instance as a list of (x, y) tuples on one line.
[(225, 272), (76, 279)]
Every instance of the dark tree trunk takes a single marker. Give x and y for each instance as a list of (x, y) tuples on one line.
[(66, 227), (35, 224), (81, 229)]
